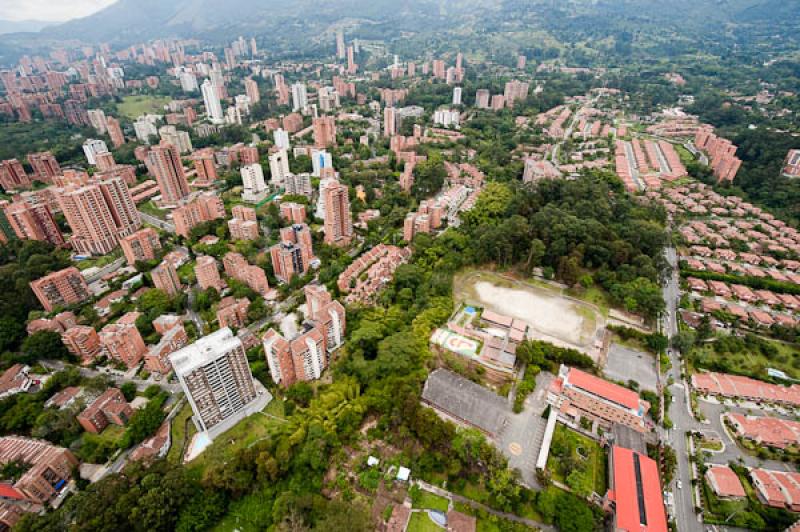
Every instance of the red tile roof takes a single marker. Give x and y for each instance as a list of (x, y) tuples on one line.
[(637, 492), (604, 389), (7, 491), (725, 482)]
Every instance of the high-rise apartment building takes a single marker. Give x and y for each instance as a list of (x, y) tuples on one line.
[(294, 253), (33, 222), (92, 147), (324, 131), (482, 99), (122, 341), (97, 118), (236, 266), (216, 378), (251, 89), (244, 223), (143, 245), (338, 223), (320, 160), (299, 97), (278, 167), (457, 96), (204, 208), (145, 127), (438, 69), (104, 161), (99, 214), (281, 138), (298, 184), (45, 166), (165, 278), (515, 90), (232, 312), (293, 212), (340, 48), (306, 356), (255, 189), (61, 289), (179, 139), (389, 121), (207, 273), (83, 342), (115, 132), (188, 81), (212, 103), (205, 167), (165, 162), (352, 67), (13, 175)]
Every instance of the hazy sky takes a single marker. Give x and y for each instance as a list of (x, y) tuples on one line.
[(50, 10)]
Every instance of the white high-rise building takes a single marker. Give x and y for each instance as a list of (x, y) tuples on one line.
[(211, 100), (218, 383), (97, 117), (446, 118), (145, 127), (188, 81), (281, 138), (323, 184), (92, 147), (320, 159), (255, 189), (278, 168), (179, 139), (299, 97), (242, 102), (457, 96)]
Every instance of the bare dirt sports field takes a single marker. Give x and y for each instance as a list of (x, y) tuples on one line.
[(552, 316)]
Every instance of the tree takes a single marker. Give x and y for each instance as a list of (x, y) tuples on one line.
[(44, 345), (128, 389)]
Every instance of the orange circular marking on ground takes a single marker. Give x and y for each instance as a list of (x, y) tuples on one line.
[(515, 448)]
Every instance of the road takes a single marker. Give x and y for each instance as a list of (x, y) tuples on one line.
[(568, 133), (157, 222), (679, 412), (118, 377), (105, 270)]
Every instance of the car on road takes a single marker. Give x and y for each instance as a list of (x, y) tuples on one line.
[(679, 484)]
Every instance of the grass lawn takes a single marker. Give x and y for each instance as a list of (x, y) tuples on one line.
[(105, 260), (575, 452), (245, 433), (594, 295), (420, 522), (135, 106), (178, 433), (150, 208), (430, 501), (750, 362)]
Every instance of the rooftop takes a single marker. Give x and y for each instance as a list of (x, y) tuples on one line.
[(637, 492), (204, 350), (724, 481), (604, 389)]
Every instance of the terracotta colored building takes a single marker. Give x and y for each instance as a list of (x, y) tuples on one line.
[(61, 289)]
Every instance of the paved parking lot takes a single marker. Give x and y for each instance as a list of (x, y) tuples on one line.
[(626, 364), (521, 439)]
